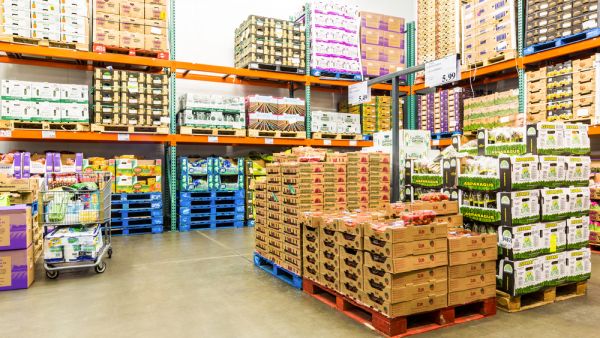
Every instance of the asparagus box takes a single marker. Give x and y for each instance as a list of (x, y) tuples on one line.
[(520, 277), (506, 208), (578, 232), (579, 265)]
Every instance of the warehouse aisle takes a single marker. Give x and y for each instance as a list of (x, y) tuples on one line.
[(203, 284)]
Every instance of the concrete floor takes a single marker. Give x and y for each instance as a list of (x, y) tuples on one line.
[(203, 284)]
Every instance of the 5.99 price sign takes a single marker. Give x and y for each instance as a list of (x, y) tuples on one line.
[(442, 71)]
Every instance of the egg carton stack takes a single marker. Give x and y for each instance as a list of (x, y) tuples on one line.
[(536, 199)]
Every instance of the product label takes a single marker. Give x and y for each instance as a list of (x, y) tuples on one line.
[(4, 230), (5, 271)]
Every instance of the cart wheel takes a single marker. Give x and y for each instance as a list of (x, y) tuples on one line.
[(100, 268), (52, 274), (110, 253)]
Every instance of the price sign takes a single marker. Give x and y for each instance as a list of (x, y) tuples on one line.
[(442, 71), (5, 133), (359, 93), (48, 134), (213, 139), (326, 142), (122, 137), (268, 140), (353, 143)]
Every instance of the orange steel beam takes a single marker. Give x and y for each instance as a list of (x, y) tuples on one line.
[(441, 142), (240, 72), (241, 140), (562, 51), (69, 54), (81, 136), (44, 63), (594, 131)]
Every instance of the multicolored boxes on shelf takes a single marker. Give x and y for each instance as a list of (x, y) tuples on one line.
[(499, 109), (211, 173), (438, 29), (382, 44), (212, 111), (441, 112)]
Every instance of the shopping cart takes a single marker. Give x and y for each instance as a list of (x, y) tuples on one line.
[(75, 215)]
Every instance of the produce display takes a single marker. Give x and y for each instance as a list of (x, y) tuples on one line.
[(134, 25), (376, 115), (262, 42), (438, 29), (268, 113), (564, 91), (500, 109), (43, 101), (212, 111), (441, 112), (382, 43), (335, 122)]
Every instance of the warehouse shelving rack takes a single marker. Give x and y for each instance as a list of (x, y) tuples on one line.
[(86, 61)]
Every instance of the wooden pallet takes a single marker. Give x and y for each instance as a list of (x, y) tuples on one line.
[(105, 128), (184, 130), (100, 48), (277, 133), (539, 298), (44, 42), (336, 136), (500, 57), (405, 325), (43, 125)]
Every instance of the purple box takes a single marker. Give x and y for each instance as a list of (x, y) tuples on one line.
[(16, 269), (18, 165), (68, 163), (15, 227)]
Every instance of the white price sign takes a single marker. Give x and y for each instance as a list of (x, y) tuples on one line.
[(123, 137), (268, 140), (359, 93), (48, 134), (442, 71), (5, 133), (213, 139), (353, 143), (326, 142)]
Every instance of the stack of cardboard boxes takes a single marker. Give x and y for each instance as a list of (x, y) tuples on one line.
[(131, 24), (494, 110), (358, 180), (335, 189), (261, 42), (261, 227), (212, 111), (438, 30), (441, 112), (381, 44), (16, 248), (52, 20), (130, 98), (488, 32), (335, 122), (563, 91), (379, 180), (471, 266), (137, 176), (376, 115), (268, 113)]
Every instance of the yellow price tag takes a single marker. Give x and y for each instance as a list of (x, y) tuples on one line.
[(553, 243), (163, 15)]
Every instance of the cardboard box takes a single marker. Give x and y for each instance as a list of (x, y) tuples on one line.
[(424, 304), (405, 264), (107, 6), (155, 12), (351, 288), (470, 282), (131, 40), (402, 249), (472, 242), (473, 269), (107, 37), (473, 256), (131, 9), (395, 293), (471, 295), (349, 240), (132, 25), (15, 227), (408, 233), (17, 269)]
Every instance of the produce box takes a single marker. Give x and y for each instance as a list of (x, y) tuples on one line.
[(424, 173), (15, 227), (405, 264), (578, 232), (507, 208), (520, 277), (17, 269)]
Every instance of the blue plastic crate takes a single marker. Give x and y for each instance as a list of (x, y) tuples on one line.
[(196, 195)]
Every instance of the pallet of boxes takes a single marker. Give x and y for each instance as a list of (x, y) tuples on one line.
[(220, 115), (50, 23), (130, 102), (131, 27)]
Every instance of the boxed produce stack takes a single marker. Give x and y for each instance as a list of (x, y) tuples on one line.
[(43, 101), (499, 109), (55, 22), (441, 112), (358, 180), (544, 25), (438, 29), (129, 98), (335, 123), (310, 246), (335, 39), (194, 174), (270, 44), (212, 111), (379, 180), (376, 115), (16, 247), (382, 44), (406, 265), (134, 175), (261, 227), (228, 173), (329, 254), (471, 266), (255, 172), (134, 25), (563, 91), (538, 204), (268, 113), (335, 188), (489, 33), (275, 213)]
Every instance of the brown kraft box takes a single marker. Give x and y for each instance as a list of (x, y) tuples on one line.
[(471, 295), (350, 288), (473, 256), (466, 243), (404, 293), (402, 249), (472, 269), (405, 264), (471, 282), (409, 233), (412, 277), (347, 240), (420, 305)]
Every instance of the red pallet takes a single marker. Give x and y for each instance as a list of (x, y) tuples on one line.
[(405, 325), (100, 48)]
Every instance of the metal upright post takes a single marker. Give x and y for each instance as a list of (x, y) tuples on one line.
[(172, 151), (411, 100), (395, 142), (520, 47), (307, 33)]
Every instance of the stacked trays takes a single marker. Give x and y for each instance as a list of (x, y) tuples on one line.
[(211, 209), (136, 213)]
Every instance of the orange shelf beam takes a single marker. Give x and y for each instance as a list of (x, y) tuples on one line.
[(581, 46), (441, 142), (80, 136), (265, 141)]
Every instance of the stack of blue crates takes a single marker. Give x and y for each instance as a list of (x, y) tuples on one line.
[(218, 200), (139, 213)]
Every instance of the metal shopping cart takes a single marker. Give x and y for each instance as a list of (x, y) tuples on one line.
[(75, 215)]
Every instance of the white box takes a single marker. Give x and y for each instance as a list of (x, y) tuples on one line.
[(52, 35), (74, 112), (47, 111), (555, 236), (16, 4), (15, 89), (14, 13), (17, 110), (578, 231), (74, 20), (555, 268), (579, 264), (75, 8), (74, 93), (50, 6), (579, 200), (45, 91), (76, 38), (578, 168), (39, 17)]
